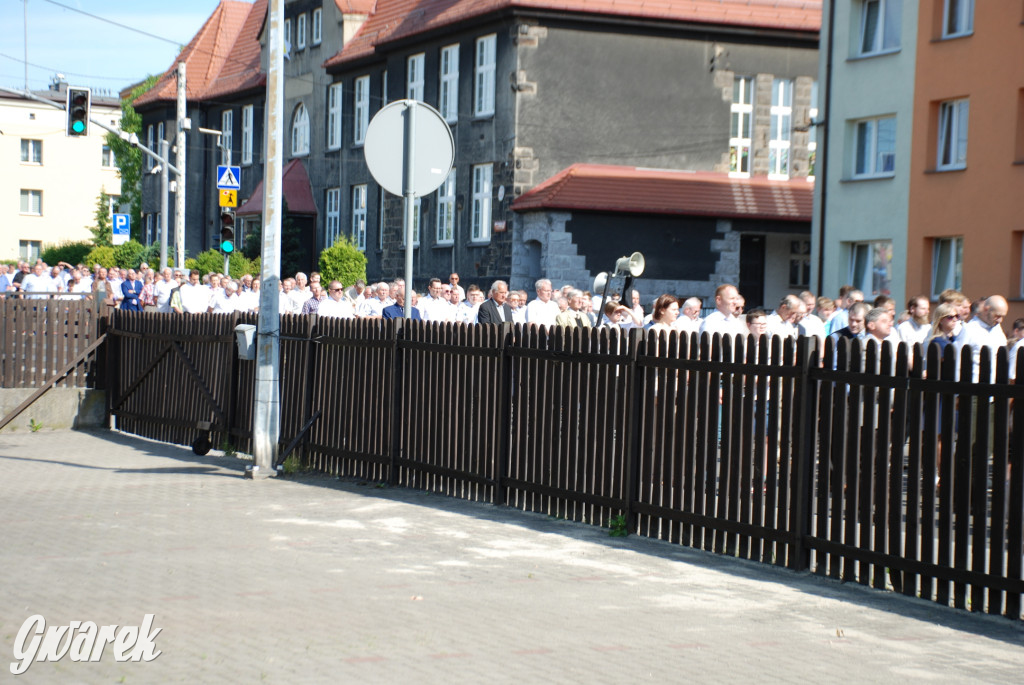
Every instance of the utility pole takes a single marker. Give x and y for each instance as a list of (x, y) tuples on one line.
[(179, 160), (266, 422), (164, 183)]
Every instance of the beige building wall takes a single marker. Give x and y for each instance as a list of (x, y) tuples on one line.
[(70, 176)]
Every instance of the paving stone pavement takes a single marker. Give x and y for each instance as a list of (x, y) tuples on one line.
[(314, 580)]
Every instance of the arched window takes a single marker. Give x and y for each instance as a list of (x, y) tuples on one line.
[(300, 131)]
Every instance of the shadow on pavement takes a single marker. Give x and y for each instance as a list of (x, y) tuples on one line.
[(993, 627)]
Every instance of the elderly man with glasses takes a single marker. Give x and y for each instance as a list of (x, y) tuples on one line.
[(336, 304)]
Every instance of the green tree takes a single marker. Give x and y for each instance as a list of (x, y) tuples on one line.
[(212, 261), (342, 261), (130, 255), (101, 231), (128, 158), (70, 252), (102, 255)]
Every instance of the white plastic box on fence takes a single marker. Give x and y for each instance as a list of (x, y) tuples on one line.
[(245, 336)]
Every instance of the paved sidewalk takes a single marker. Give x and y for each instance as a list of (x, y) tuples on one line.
[(315, 580)]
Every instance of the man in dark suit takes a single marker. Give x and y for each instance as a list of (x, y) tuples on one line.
[(495, 309)]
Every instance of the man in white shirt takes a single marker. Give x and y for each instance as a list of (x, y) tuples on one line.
[(781, 321), (689, 320), (336, 305), (434, 307), (162, 291), (985, 330), (543, 310), (812, 323), (466, 312), (300, 293), (373, 307), (37, 283), (195, 297), (722, 320), (917, 327), (225, 300)]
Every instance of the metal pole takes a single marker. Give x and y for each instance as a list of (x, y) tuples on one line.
[(266, 422), (165, 175), (179, 193), (410, 198)]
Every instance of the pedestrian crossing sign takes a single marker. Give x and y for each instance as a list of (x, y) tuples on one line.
[(228, 177)]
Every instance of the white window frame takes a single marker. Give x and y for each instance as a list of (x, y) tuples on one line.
[(159, 137), (384, 88), (300, 131), (359, 216), (954, 121), (448, 97), (318, 21), (445, 231), (865, 274), (149, 144), (248, 112), (361, 105), (879, 159), (107, 160), (300, 32), (31, 202), (883, 36), (332, 221), (30, 250), (287, 36), (334, 118), (957, 18), (227, 118), (741, 113), (483, 181), (32, 151), (483, 100), (781, 129), (414, 76), (947, 264)]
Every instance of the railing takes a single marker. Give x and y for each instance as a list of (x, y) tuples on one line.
[(855, 465)]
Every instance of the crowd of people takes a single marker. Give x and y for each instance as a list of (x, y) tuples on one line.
[(956, 320)]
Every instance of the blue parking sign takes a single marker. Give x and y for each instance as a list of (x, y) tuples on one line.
[(122, 228)]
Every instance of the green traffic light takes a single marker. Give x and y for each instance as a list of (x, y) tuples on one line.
[(77, 126), (227, 246)]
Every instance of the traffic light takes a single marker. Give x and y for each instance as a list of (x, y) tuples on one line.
[(78, 111), (227, 230)]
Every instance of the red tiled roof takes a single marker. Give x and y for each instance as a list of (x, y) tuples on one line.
[(297, 192), (223, 56), (395, 19), (596, 187)]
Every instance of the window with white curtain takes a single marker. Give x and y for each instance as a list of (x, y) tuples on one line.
[(300, 131)]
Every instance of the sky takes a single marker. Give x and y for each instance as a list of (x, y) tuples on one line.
[(91, 52)]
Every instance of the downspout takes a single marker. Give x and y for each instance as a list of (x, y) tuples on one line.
[(825, 141)]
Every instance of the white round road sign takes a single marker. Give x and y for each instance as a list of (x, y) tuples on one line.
[(431, 146)]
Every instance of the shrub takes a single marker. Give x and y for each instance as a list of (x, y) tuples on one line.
[(342, 261), (71, 252), (104, 256), (212, 261), (130, 254)]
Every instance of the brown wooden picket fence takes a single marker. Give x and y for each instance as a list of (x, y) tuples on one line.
[(39, 337), (848, 462)]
